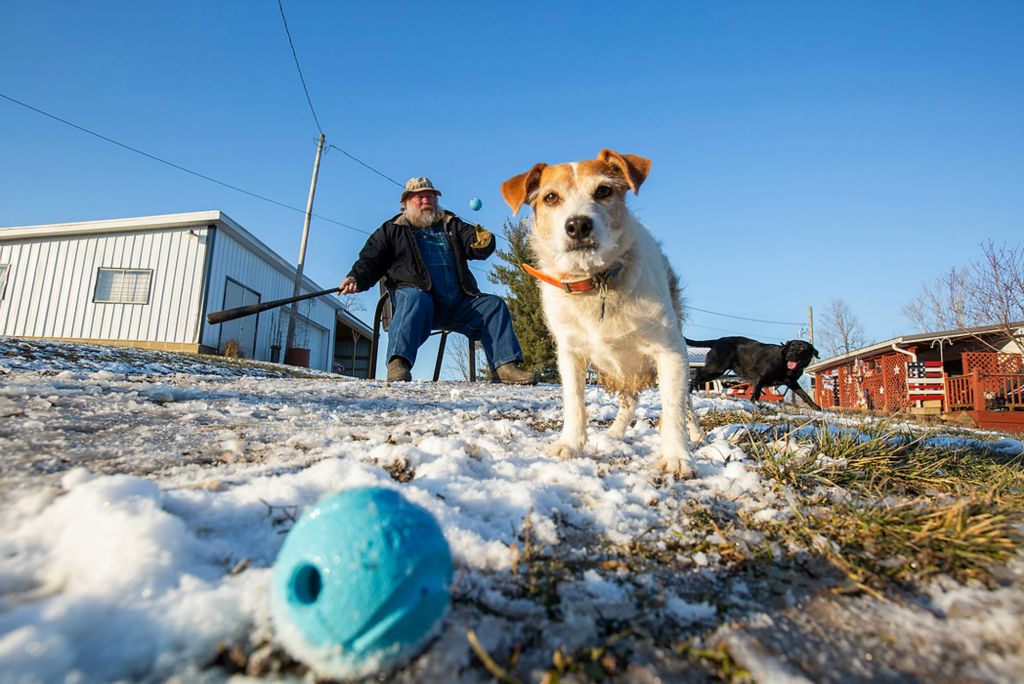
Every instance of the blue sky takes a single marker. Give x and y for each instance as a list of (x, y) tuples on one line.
[(801, 151)]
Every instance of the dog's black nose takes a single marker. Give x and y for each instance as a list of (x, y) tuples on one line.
[(579, 227)]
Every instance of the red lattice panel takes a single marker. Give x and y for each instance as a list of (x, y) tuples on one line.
[(872, 389), (989, 364), (847, 387), (894, 382), (879, 384), (823, 390)]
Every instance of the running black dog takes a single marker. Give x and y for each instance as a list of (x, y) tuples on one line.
[(765, 365)]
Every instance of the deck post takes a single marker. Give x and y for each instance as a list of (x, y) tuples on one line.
[(945, 391), (977, 391)]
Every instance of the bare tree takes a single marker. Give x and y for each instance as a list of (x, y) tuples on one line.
[(458, 359), (988, 291), (997, 295), (943, 304), (841, 330), (351, 302)]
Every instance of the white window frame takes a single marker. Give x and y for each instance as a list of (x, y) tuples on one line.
[(5, 270), (119, 292)]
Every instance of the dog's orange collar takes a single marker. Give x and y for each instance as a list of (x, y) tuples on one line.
[(573, 286)]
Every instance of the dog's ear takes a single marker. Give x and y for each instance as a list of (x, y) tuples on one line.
[(815, 352), (516, 189), (633, 167)]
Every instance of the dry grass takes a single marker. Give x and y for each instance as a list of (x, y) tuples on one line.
[(718, 659), (714, 419), (880, 460), (885, 505)]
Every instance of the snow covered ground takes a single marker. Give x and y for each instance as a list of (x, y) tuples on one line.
[(145, 496)]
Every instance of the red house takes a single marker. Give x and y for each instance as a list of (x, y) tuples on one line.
[(975, 370)]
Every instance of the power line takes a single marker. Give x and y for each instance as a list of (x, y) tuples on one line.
[(360, 161), (316, 119), (176, 166), (742, 318), (181, 168), (299, 68), (337, 223), (389, 178), (150, 156), (687, 325)]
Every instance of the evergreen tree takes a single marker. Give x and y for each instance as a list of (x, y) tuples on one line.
[(524, 302)]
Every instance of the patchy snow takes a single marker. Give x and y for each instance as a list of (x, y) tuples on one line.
[(146, 496)]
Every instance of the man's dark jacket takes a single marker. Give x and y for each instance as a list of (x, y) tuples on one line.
[(392, 253)]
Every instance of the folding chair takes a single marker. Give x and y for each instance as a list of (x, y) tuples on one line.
[(382, 316)]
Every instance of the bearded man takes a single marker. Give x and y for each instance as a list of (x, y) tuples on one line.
[(421, 253)]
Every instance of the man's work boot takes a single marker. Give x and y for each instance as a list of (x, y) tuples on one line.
[(512, 374), (398, 370)]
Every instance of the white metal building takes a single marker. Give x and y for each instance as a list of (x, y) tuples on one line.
[(150, 281)]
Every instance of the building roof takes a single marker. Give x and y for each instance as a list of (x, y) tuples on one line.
[(164, 221), (697, 355), (904, 340)]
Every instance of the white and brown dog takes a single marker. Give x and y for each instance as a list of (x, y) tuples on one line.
[(612, 300)]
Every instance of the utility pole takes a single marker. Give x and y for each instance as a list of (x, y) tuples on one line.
[(810, 322), (302, 247)]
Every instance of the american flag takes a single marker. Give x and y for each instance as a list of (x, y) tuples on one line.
[(925, 381), (924, 369)]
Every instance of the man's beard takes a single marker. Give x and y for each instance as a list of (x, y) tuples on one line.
[(423, 217)]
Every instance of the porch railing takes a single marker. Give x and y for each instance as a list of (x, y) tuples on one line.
[(985, 392)]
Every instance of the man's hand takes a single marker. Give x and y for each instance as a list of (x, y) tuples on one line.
[(483, 237), (348, 286)]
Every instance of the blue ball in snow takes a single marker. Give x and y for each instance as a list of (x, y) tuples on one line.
[(475, 204), (361, 583)]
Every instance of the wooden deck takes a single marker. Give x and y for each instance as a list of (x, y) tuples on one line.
[(994, 400), (1004, 421)]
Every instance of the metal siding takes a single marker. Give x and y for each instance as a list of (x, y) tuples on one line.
[(15, 283), (131, 313), (69, 291), (44, 273), (48, 269), (25, 307), (118, 312), (100, 253), (184, 293), (53, 280), (193, 305), (168, 256), (160, 250), (93, 314), (135, 323), (22, 293), (37, 269), (10, 255), (234, 260), (59, 308)]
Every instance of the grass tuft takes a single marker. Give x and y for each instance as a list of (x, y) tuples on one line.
[(880, 460)]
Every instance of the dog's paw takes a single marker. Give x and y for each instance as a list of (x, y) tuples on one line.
[(616, 431), (696, 435), (681, 466), (564, 450)]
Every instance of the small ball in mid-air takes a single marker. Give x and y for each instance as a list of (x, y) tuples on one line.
[(475, 204)]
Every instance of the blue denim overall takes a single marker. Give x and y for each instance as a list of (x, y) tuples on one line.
[(447, 306)]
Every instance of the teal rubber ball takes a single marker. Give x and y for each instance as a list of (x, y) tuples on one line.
[(475, 204), (361, 583)]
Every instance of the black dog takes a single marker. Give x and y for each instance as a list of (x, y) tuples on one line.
[(765, 365)]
